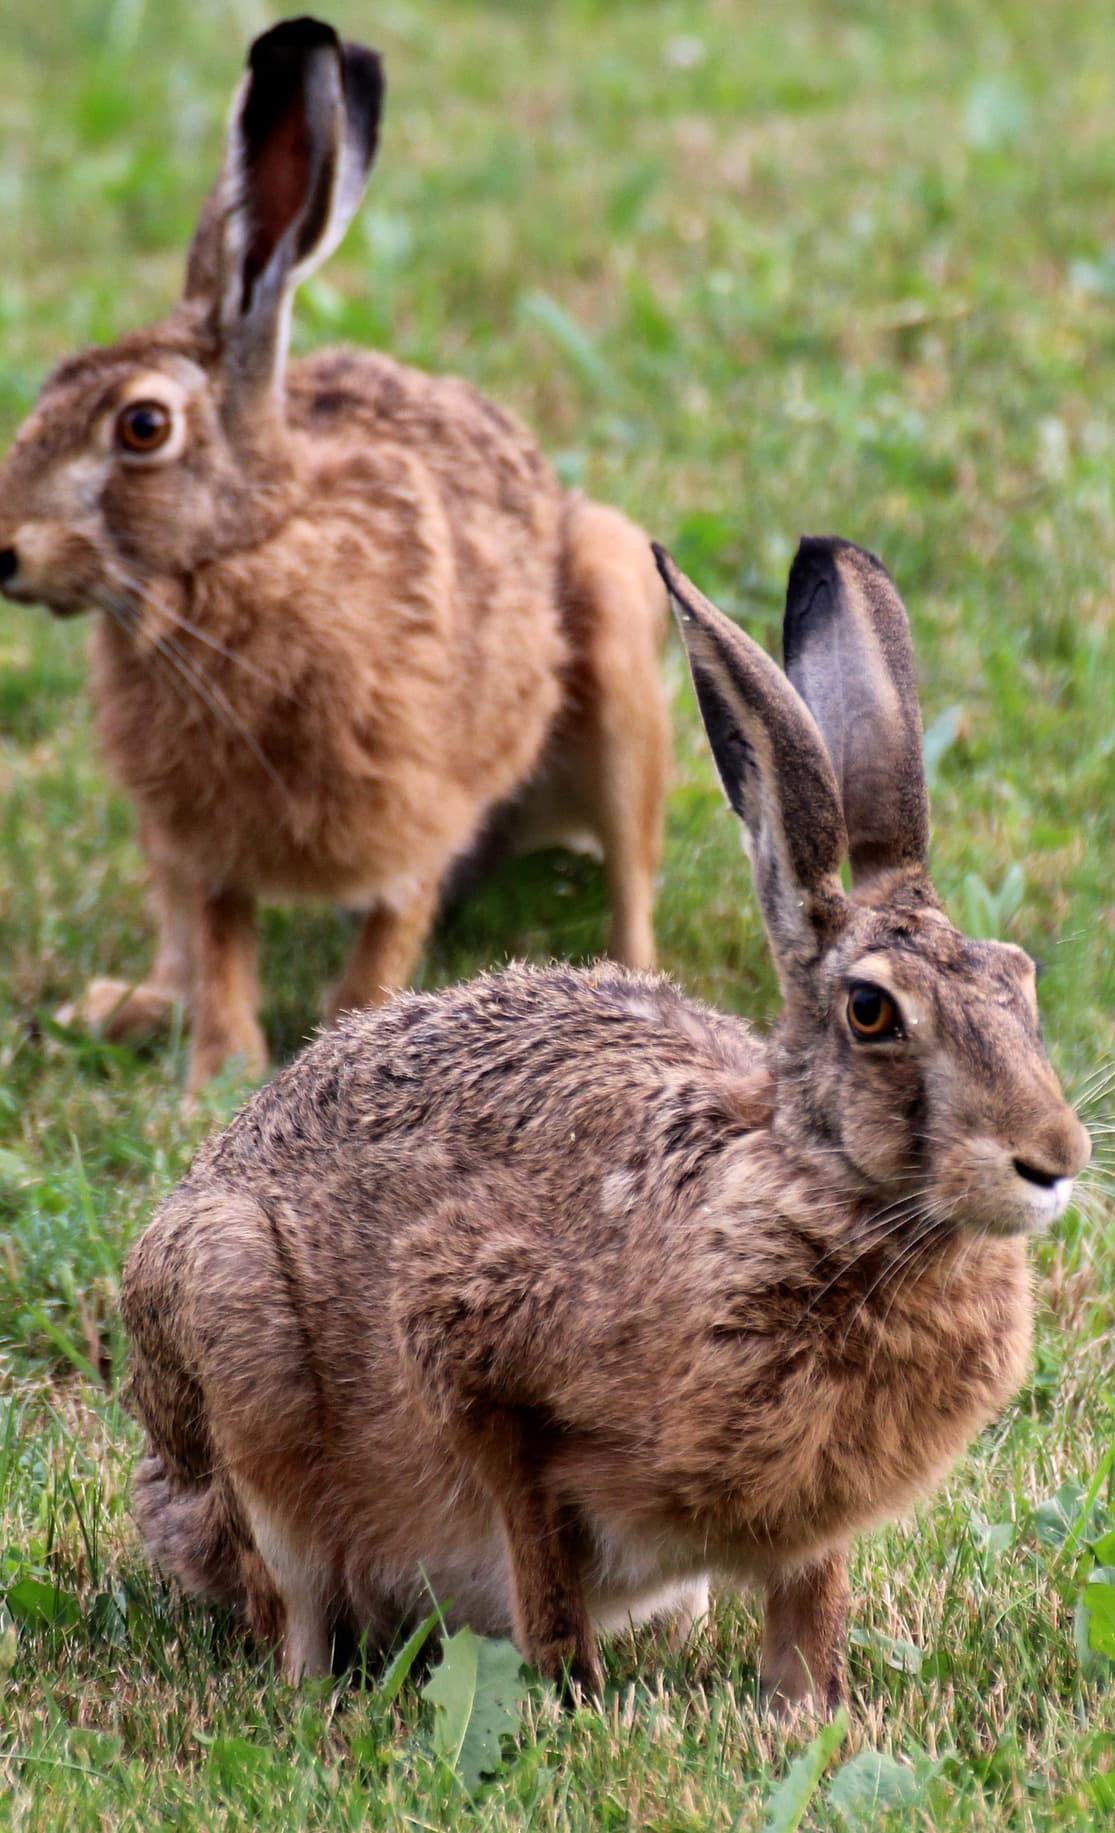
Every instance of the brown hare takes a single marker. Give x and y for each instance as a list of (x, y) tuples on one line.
[(565, 1294), (348, 610)]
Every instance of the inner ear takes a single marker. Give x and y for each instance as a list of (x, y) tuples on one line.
[(288, 171), (775, 771)]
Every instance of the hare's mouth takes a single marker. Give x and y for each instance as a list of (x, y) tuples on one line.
[(986, 1185), (11, 586), (19, 590), (58, 604), (1028, 1210)]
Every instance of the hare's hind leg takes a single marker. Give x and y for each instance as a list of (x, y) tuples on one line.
[(190, 1530), (613, 743), (803, 1636)]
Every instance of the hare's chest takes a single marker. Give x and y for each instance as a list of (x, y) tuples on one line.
[(818, 1444), (888, 1427), (243, 783)]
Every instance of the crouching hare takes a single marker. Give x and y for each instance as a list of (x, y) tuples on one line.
[(347, 609), (567, 1294)]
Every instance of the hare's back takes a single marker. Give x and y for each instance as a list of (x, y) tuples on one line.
[(555, 1077)]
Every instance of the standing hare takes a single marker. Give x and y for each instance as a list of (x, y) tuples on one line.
[(563, 1293), (348, 609)]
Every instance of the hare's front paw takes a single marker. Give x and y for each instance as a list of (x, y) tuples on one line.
[(120, 1011), (211, 1053)]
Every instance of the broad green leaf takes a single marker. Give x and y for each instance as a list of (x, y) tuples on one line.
[(1104, 1549), (870, 1784), (905, 1657), (399, 1666), (39, 1605), (476, 1692), (994, 1537), (15, 1172), (1056, 1519), (792, 1796), (245, 1771), (108, 1617), (997, 114)]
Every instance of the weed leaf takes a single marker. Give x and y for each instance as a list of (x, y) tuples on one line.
[(903, 1656), (476, 1692), (790, 1799), (398, 1668), (37, 1604), (871, 1784)]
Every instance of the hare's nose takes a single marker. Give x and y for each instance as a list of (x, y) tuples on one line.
[(9, 564)]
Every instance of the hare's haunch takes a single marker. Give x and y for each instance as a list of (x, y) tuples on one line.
[(563, 1294), (350, 619)]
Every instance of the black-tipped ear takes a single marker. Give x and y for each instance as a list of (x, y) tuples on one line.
[(847, 649), (301, 139), (775, 771), (365, 88)]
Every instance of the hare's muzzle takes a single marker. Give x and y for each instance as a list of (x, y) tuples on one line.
[(44, 563), (10, 584)]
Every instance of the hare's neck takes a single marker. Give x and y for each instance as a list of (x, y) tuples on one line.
[(196, 634), (954, 1306)]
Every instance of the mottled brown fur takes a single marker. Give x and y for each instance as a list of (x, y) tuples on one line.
[(562, 1292), (348, 612)]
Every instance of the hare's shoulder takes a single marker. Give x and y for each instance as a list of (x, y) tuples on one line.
[(345, 389)]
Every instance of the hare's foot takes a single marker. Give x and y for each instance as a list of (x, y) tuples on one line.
[(120, 1011), (690, 1610), (389, 944), (210, 1054), (803, 1635)]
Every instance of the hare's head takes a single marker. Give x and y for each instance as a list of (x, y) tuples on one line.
[(909, 1052), (169, 449)]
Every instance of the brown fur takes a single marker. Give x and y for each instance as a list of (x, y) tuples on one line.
[(348, 613), (562, 1292)]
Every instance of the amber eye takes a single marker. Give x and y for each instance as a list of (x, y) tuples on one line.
[(872, 1013), (143, 426)]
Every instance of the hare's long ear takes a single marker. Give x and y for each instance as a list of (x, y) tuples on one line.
[(301, 139), (776, 772), (846, 643)]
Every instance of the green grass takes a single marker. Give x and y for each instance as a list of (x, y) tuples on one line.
[(747, 270)]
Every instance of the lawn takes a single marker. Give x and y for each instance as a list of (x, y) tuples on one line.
[(747, 269)]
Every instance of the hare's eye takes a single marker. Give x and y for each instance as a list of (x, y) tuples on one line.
[(872, 1014), (143, 426)]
